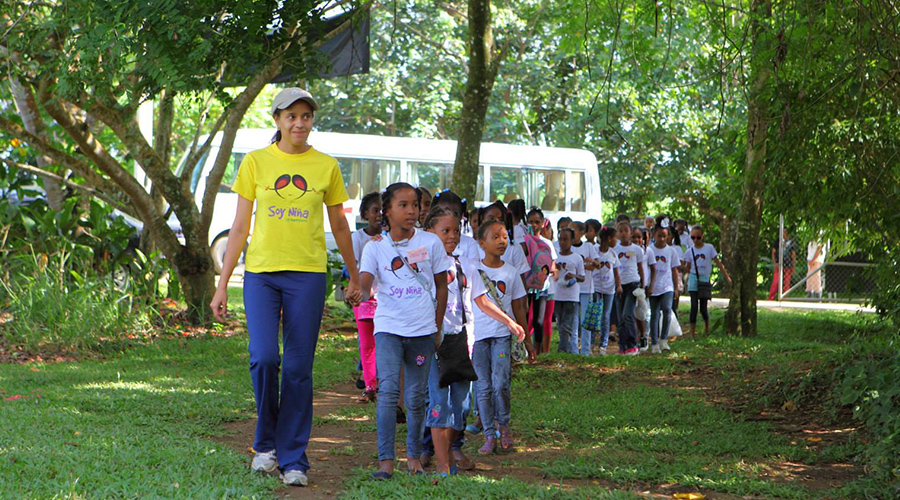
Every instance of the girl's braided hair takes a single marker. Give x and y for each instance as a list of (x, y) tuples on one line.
[(436, 213), (388, 195), (447, 198)]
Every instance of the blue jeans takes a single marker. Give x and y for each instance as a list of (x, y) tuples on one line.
[(608, 301), (491, 358), (660, 303), (413, 355), (567, 322), (586, 335), (625, 315), (448, 407), (293, 300)]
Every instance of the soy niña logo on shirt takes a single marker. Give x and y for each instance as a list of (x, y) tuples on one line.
[(661, 258), (290, 187), (398, 264), (605, 264)]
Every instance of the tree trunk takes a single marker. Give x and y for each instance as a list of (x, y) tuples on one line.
[(32, 121), (741, 316), (483, 66)]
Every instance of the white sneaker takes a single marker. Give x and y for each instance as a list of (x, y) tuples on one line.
[(664, 345), (602, 351), (294, 478), (645, 348), (265, 462), (654, 349)]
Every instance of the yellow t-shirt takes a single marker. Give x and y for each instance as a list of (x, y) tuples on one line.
[(290, 191)]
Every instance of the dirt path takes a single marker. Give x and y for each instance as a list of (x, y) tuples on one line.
[(333, 437)]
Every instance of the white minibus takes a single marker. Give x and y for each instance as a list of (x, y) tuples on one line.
[(560, 181)]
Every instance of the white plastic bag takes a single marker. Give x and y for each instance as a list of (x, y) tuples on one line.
[(675, 327), (642, 309)]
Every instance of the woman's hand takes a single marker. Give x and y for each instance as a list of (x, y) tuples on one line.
[(532, 356), (619, 290), (437, 340), (219, 304), (353, 293)]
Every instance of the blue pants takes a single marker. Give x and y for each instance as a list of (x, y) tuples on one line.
[(414, 356), (660, 304), (608, 300), (567, 323), (295, 301), (491, 358), (625, 315)]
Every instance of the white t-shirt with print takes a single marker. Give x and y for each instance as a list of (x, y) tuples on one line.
[(468, 247), (604, 279), (663, 260), (472, 287), (513, 256), (405, 306), (519, 231), (705, 256), (587, 251), (360, 238), (629, 257), (566, 264), (509, 286)]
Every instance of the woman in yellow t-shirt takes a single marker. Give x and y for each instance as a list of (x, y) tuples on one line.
[(284, 283)]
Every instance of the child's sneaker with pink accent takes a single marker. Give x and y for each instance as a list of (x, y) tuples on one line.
[(507, 444), (632, 352)]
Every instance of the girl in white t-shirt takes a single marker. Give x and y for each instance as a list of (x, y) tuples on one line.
[(631, 273), (514, 254), (410, 268), (570, 273), (540, 301), (468, 247), (492, 351), (703, 254), (449, 406), (370, 211), (608, 283), (664, 262)]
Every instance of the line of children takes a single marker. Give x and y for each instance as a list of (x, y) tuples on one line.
[(411, 270)]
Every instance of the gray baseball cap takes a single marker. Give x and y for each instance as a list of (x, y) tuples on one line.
[(289, 96)]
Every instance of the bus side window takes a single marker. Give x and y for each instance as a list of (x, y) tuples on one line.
[(234, 163), (432, 176), (363, 175), (547, 189), (577, 192), (507, 184)]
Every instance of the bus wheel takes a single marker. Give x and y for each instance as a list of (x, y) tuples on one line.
[(217, 251)]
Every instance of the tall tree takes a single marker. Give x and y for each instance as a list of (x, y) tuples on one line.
[(484, 62), (91, 65)]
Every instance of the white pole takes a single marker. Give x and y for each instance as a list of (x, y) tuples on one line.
[(145, 123), (780, 257)]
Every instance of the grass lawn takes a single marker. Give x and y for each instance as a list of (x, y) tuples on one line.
[(140, 424)]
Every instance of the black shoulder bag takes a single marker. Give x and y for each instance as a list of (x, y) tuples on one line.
[(454, 364)]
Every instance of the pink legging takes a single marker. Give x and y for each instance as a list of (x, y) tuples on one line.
[(366, 328), (546, 324)]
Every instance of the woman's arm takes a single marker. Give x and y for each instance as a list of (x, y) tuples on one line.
[(341, 231), (618, 281), (237, 238), (652, 278), (640, 267)]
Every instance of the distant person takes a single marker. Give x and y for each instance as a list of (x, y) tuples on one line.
[(570, 273), (789, 255), (284, 283), (698, 261), (631, 274), (425, 206), (815, 258)]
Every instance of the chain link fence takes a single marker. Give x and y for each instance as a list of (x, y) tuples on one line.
[(817, 270)]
